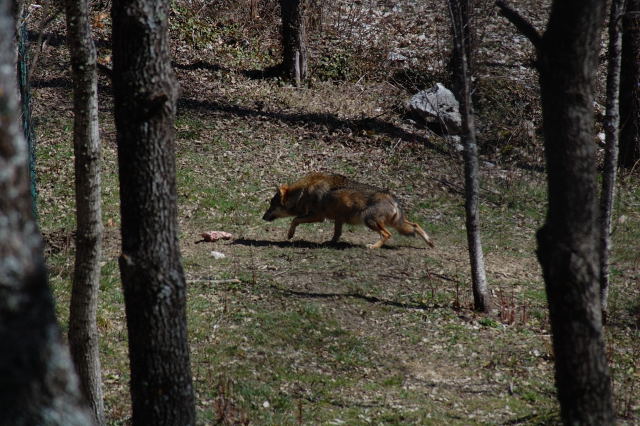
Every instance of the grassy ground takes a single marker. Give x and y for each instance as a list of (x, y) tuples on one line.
[(298, 332)]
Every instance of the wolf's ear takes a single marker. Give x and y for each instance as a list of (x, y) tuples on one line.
[(283, 190)]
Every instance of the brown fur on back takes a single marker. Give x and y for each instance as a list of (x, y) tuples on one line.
[(356, 206), (305, 195)]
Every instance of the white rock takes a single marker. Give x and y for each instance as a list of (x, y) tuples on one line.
[(217, 255), (437, 104), (396, 57)]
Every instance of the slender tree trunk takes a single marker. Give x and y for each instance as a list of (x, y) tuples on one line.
[(568, 242), (630, 87), (83, 330), (145, 93), (38, 385), (460, 24), (294, 44), (611, 128), (461, 27)]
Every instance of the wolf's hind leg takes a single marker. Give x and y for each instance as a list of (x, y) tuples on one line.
[(379, 228)]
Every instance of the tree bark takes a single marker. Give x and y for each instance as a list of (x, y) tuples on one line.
[(459, 10), (611, 129), (294, 44), (145, 93), (83, 330), (568, 241), (463, 27), (630, 87), (38, 383), (24, 87), (17, 13)]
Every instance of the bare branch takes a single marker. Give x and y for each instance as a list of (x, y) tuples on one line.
[(521, 23)]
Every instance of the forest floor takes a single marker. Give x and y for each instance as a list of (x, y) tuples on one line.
[(300, 332)]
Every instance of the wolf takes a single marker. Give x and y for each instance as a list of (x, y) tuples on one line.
[(320, 196)]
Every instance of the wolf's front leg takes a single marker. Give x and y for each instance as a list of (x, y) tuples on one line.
[(298, 220), (292, 229), (337, 231)]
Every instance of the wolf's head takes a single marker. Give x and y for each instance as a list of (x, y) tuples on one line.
[(278, 206)]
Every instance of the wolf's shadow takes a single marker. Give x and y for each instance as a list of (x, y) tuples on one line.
[(341, 245)]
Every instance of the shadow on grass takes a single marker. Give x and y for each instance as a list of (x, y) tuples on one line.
[(328, 121), (294, 244), (272, 71), (265, 73), (199, 65), (370, 299)]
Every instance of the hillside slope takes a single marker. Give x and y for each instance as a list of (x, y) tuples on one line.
[(287, 332)]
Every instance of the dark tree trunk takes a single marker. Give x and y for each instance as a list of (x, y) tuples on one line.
[(24, 87), (568, 241), (611, 128), (83, 331), (38, 385), (145, 93), (462, 77), (294, 44), (630, 87), (17, 13)]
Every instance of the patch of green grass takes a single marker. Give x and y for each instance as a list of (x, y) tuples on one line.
[(539, 295), (488, 322), (290, 345), (336, 66), (393, 381), (111, 286), (196, 30), (55, 185), (435, 297), (188, 127)]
